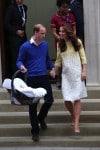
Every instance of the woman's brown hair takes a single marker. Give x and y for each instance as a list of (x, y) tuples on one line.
[(71, 37)]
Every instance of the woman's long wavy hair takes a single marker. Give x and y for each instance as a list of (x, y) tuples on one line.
[(70, 37)]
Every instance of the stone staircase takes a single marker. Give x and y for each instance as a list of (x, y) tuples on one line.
[(15, 126)]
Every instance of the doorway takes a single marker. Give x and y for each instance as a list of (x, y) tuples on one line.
[(7, 54), (3, 43)]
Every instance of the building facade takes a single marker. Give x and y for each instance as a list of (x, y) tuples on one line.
[(37, 14)]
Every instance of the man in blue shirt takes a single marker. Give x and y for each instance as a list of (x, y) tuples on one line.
[(34, 59)]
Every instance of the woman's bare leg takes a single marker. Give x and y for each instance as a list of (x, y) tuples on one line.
[(77, 110), (69, 106)]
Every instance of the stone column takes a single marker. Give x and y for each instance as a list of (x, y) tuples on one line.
[(92, 40)]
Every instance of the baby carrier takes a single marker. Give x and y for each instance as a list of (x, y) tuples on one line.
[(20, 93)]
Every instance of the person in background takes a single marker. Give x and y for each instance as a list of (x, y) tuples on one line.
[(34, 59), (62, 17), (15, 25), (72, 58), (77, 10)]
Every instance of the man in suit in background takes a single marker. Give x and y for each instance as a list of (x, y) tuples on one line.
[(14, 23), (77, 10)]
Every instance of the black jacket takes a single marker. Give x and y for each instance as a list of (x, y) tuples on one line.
[(77, 10), (13, 20)]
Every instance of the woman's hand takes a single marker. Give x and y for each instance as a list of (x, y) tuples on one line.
[(83, 75), (53, 73)]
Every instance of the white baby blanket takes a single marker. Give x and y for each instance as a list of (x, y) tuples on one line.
[(22, 87)]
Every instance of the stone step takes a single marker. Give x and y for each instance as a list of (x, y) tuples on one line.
[(15, 127), (52, 141), (92, 93), (56, 129), (87, 105), (53, 117)]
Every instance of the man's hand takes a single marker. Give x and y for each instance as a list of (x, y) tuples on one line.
[(23, 69), (20, 33)]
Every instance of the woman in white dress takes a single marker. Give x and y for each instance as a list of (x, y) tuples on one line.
[(72, 58)]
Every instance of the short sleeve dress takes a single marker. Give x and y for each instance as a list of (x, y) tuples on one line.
[(73, 88)]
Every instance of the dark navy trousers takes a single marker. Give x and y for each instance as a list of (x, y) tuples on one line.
[(36, 82)]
